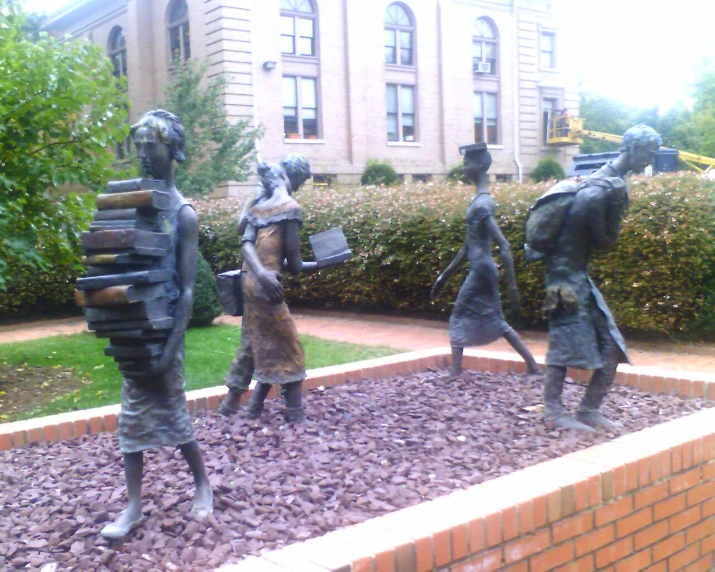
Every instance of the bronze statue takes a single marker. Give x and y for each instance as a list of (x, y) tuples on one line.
[(477, 318), (270, 347), (154, 412), (564, 227)]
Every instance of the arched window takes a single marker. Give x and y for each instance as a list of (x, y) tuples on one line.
[(399, 36), (484, 47), (179, 36), (298, 27), (118, 51)]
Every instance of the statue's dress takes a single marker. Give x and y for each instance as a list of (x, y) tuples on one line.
[(154, 413), (271, 334), (477, 318)]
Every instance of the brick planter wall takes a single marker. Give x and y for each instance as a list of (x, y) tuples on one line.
[(645, 501)]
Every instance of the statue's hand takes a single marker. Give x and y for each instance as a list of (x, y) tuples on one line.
[(270, 281), (437, 287)]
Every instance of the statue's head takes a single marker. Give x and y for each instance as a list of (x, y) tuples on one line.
[(641, 143), (477, 160), (273, 176), (159, 140), (298, 170)]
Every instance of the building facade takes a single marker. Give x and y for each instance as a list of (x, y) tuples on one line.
[(345, 81)]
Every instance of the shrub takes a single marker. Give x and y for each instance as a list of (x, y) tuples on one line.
[(455, 174), (658, 280), (548, 169), (206, 303), (379, 173)]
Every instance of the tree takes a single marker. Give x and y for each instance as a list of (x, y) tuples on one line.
[(61, 113), (216, 150)]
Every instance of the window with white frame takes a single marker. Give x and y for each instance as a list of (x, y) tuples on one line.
[(399, 36), (486, 118), (300, 107), (484, 47), (547, 48), (179, 33), (401, 116), (298, 28), (549, 109), (118, 52)]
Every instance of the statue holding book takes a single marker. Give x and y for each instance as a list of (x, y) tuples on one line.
[(270, 349), (141, 254)]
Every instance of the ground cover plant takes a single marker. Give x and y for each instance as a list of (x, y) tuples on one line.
[(367, 449), (66, 373)]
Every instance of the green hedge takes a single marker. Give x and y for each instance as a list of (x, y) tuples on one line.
[(659, 280)]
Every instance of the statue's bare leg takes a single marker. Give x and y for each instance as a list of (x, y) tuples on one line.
[(293, 396), (255, 403), (132, 516), (203, 498), (456, 368), (532, 368)]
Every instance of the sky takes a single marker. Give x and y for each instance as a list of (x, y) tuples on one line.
[(644, 52)]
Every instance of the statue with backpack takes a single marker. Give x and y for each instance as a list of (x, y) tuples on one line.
[(563, 228)]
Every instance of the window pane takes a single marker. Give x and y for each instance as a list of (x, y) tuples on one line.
[(478, 107), (391, 99), (406, 48), (290, 120), (390, 47), (397, 16), (289, 93), (179, 11), (287, 44), (187, 40), (287, 26), (408, 99), (408, 128), (547, 42), (392, 127), (547, 60), (490, 51), (492, 131), (305, 28), (477, 51), (478, 131), (175, 44), (306, 47), (483, 29), (308, 93), (304, 6), (490, 105), (310, 122)]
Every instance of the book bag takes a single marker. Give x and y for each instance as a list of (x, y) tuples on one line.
[(545, 219)]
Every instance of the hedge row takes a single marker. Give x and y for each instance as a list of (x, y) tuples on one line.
[(660, 278)]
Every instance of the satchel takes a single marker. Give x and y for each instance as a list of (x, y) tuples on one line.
[(230, 292)]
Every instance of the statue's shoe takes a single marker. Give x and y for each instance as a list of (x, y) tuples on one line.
[(596, 419), (567, 422), (230, 404), (116, 531)]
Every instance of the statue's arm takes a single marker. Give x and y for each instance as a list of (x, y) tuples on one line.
[(186, 258), (458, 260), (606, 212), (506, 258), (293, 261)]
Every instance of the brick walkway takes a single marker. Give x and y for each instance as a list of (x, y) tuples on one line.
[(408, 334)]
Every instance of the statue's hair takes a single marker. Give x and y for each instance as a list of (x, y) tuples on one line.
[(297, 168), (168, 128), (640, 135), (270, 173)]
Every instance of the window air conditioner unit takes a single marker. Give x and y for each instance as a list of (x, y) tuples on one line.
[(482, 67)]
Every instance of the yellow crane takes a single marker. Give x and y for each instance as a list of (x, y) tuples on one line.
[(564, 131)]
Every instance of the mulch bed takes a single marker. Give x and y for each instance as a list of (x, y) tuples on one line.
[(369, 448)]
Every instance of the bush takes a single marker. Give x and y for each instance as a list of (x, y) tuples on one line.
[(548, 169), (379, 173), (658, 280), (455, 174), (206, 303)]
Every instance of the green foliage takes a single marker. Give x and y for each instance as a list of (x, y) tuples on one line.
[(455, 174), (206, 303), (548, 169), (61, 112), (216, 150), (658, 280), (379, 173)]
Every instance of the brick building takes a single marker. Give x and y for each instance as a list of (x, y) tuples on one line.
[(344, 81)]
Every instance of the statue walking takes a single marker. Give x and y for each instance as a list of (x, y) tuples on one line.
[(477, 318), (576, 220)]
